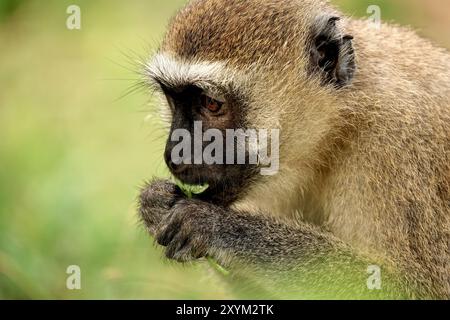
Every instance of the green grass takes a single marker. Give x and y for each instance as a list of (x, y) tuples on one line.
[(73, 155)]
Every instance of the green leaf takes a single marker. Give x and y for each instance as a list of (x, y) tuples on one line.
[(218, 267), (189, 190)]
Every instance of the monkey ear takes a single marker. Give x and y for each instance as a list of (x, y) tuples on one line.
[(331, 53)]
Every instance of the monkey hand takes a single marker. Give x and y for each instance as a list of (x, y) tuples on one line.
[(190, 230), (155, 202), (184, 226)]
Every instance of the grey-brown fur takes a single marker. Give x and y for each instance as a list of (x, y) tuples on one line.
[(364, 170)]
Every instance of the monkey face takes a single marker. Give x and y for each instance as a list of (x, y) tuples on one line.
[(203, 146)]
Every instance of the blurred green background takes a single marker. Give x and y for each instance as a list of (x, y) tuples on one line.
[(75, 147)]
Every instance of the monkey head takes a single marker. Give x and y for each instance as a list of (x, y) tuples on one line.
[(248, 65)]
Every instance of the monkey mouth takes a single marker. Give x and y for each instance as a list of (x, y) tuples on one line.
[(202, 175), (226, 182)]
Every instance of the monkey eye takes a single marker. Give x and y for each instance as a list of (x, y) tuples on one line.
[(211, 104)]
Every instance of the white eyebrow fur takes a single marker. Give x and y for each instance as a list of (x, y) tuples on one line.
[(172, 72)]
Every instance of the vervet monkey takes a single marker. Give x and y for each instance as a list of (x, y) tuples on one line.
[(364, 158)]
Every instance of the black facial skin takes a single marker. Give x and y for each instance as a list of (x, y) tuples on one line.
[(226, 182)]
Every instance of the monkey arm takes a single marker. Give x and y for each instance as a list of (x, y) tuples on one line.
[(288, 261), (297, 261)]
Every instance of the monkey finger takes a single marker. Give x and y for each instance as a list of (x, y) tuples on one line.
[(176, 246), (167, 233), (152, 217), (159, 193), (190, 249)]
